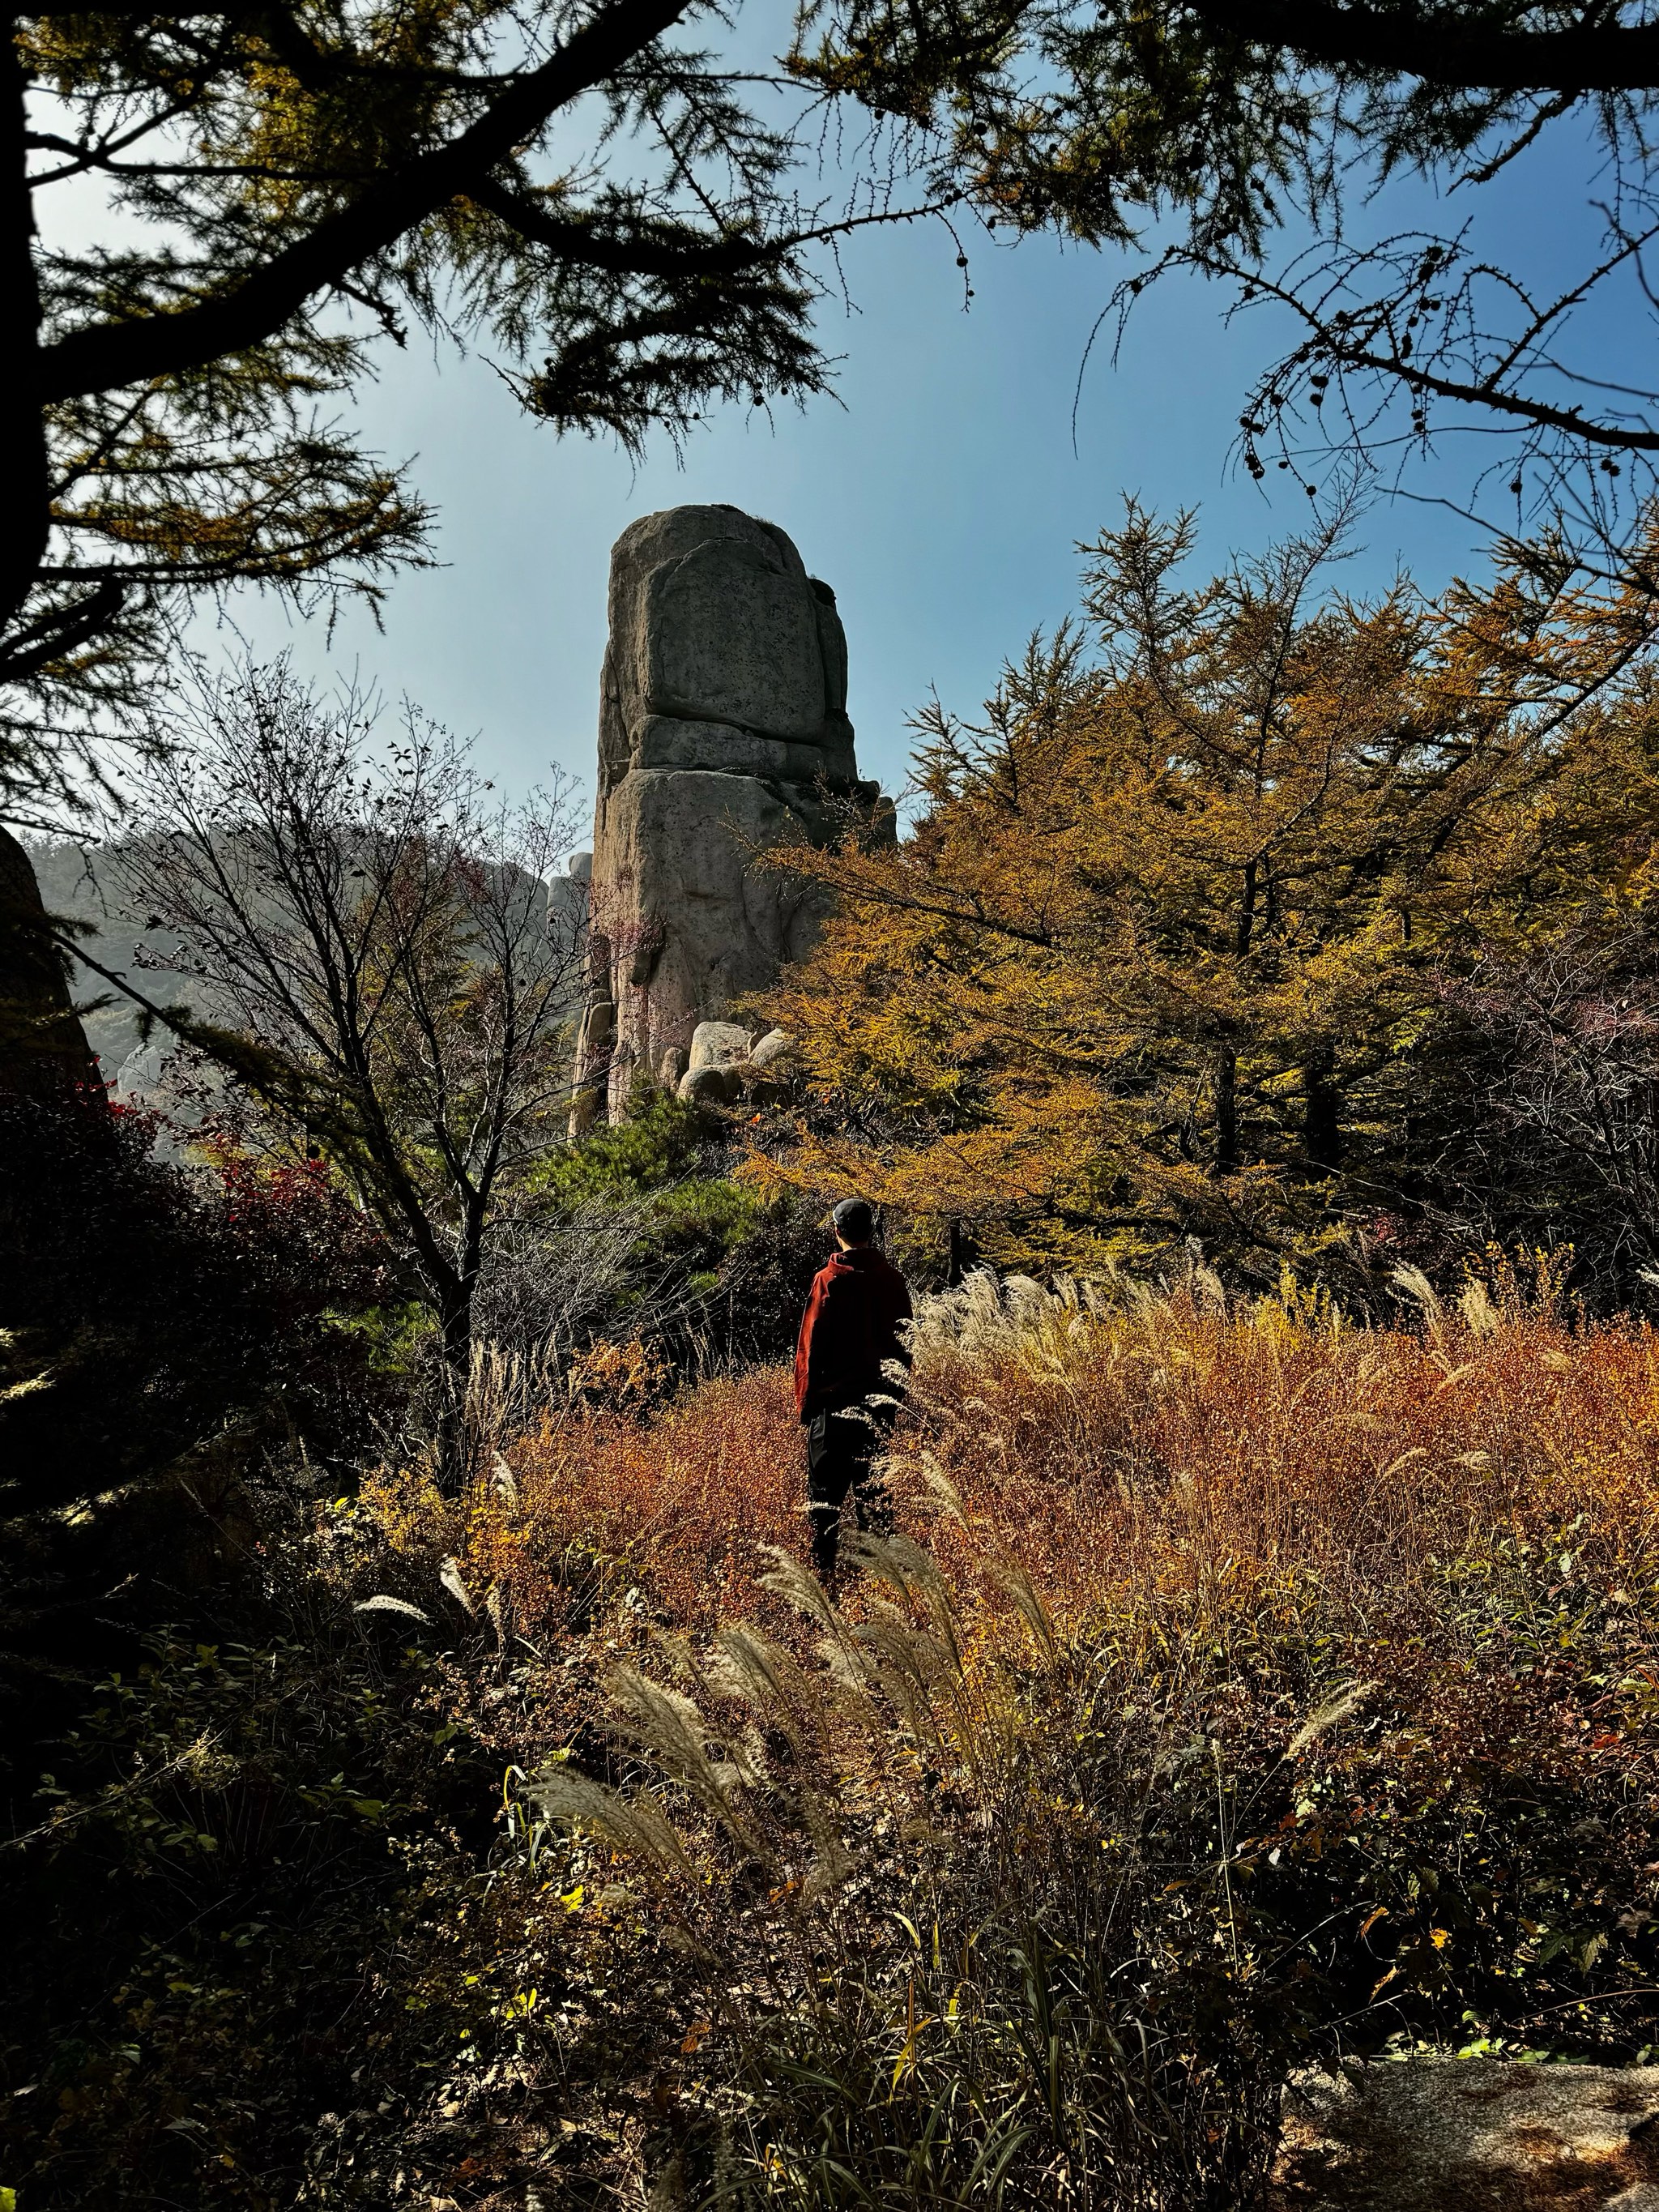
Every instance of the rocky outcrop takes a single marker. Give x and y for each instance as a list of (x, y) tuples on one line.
[(43, 1048), (723, 731), (1470, 2135), (726, 1063), (567, 900)]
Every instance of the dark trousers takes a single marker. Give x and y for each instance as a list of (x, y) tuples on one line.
[(840, 1447)]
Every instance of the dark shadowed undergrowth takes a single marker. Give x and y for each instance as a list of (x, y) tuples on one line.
[(1241, 1688)]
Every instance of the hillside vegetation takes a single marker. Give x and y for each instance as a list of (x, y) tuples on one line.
[(1243, 1686)]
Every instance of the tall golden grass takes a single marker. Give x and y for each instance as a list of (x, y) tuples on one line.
[(1239, 1509), (1242, 1684), (1158, 1462), (1137, 1449)]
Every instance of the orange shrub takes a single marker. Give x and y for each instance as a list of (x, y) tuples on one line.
[(596, 1502), (1166, 1461), (1172, 1448)]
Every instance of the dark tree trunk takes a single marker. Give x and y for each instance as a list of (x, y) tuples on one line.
[(43, 1048), (1226, 1111), (455, 1332), (24, 471), (1322, 1129), (955, 1256)]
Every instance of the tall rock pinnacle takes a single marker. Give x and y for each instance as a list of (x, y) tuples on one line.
[(723, 731)]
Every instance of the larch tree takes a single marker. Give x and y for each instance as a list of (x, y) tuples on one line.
[(1245, 140), (1177, 944), (212, 220)]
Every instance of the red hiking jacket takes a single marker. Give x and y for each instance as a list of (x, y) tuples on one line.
[(850, 1326)]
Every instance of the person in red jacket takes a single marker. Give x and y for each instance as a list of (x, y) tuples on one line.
[(851, 1327)]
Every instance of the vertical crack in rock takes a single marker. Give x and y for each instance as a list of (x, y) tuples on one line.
[(723, 732)]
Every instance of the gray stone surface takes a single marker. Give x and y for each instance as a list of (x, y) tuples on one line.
[(666, 743), (727, 633), (598, 1027), (1473, 2135), (773, 1046), (640, 663), (567, 899), (832, 640), (723, 733), (721, 1085), (718, 1044), (139, 1076), (692, 921)]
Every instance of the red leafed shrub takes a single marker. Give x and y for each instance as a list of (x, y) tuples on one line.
[(315, 1250), (149, 1303)]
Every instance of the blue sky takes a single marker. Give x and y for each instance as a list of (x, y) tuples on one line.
[(942, 496)]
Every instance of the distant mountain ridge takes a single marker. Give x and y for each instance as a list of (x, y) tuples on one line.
[(80, 884)]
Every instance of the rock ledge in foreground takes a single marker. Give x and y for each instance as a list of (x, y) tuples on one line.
[(1470, 2135)]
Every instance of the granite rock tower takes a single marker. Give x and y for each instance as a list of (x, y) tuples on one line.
[(723, 731)]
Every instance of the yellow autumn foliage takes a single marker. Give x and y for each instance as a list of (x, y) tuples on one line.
[(1217, 925)]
